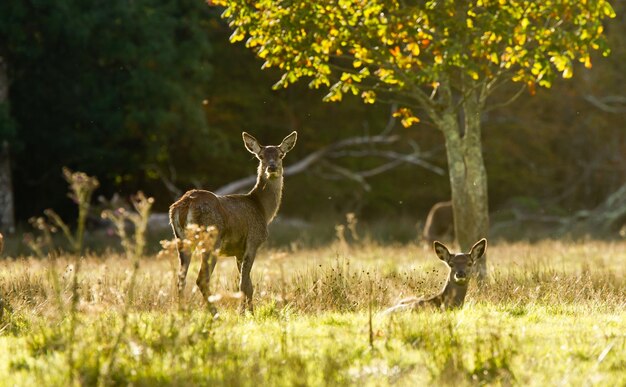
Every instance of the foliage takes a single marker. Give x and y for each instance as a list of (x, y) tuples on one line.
[(393, 49), (115, 89), (133, 248), (81, 189)]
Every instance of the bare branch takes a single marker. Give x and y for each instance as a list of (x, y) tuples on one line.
[(345, 172), (168, 181), (381, 168), (392, 120), (345, 148), (608, 103), (390, 155), (304, 164), (507, 102)]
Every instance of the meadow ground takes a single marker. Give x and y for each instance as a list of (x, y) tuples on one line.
[(553, 313)]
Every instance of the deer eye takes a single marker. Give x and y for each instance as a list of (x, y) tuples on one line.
[(470, 263)]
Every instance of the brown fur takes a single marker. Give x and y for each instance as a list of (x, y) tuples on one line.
[(439, 223), (241, 220), (453, 293)]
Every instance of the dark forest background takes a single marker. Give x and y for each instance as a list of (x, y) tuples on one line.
[(149, 93)]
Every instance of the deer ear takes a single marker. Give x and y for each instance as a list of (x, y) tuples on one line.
[(288, 142), (478, 250), (251, 143), (442, 251)]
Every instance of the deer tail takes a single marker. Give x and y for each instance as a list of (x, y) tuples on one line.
[(178, 229)]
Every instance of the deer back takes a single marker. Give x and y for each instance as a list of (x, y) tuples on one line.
[(236, 217), (439, 221)]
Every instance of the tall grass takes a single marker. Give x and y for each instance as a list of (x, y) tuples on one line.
[(553, 313)]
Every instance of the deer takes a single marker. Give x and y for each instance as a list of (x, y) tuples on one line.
[(439, 222), (452, 296), (241, 220)]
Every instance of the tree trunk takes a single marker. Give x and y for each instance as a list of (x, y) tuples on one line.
[(468, 177), (7, 218)]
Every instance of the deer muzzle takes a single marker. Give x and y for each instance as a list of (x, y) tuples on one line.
[(460, 277), (272, 171)]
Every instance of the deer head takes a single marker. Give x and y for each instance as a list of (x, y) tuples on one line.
[(460, 263), (271, 157)]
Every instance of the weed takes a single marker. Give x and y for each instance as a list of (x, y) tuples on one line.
[(554, 314)]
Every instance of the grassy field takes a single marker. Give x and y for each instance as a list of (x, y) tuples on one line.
[(554, 313)]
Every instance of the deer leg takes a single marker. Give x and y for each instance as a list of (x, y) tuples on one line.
[(209, 260), (245, 283), (185, 259), (239, 263)]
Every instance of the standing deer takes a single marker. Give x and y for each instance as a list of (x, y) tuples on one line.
[(453, 294), (241, 220), (439, 222)]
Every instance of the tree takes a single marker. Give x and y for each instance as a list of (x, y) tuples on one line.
[(441, 58), (114, 89), (7, 130)]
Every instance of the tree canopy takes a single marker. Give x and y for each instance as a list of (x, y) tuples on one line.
[(402, 51)]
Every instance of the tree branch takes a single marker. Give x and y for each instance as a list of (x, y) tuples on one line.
[(507, 102), (167, 181), (312, 158), (607, 104)]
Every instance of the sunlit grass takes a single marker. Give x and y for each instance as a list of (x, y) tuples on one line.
[(553, 313)]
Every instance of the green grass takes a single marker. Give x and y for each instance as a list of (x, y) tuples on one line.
[(554, 313)]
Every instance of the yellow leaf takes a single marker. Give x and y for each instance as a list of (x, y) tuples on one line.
[(237, 36), (395, 51), (406, 122), (401, 112), (414, 48), (333, 96), (560, 62), (368, 96), (568, 72), (545, 83), (357, 63), (494, 58), (584, 35)]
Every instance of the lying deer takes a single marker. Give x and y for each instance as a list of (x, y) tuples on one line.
[(453, 293), (241, 220)]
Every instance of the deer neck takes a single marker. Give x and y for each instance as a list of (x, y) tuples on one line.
[(267, 193), (453, 295)]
